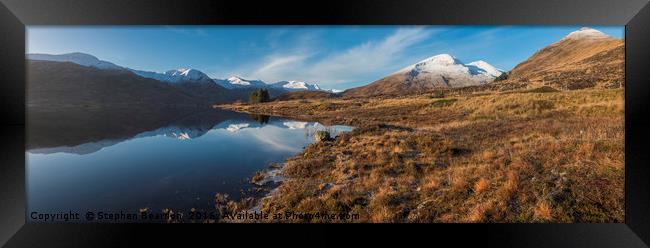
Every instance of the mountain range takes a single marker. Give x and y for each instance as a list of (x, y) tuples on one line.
[(180, 75), (584, 58), (64, 84), (83, 79)]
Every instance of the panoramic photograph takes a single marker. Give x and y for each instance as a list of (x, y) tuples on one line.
[(334, 124)]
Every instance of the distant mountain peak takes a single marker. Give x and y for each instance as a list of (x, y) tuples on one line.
[(83, 59), (433, 63), (294, 85), (235, 82), (176, 75), (184, 71), (187, 74), (442, 59), (493, 71), (442, 70), (586, 33), (240, 81), (448, 65)]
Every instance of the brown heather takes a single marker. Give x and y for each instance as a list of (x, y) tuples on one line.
[(481, 185), (519, 156)]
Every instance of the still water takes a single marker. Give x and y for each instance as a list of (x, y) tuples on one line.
[(178, 165)]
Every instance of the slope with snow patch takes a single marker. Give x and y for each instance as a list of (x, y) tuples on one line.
[(295, 85), (235, 82), (175, 76)]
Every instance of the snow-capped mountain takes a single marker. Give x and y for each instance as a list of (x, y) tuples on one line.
[(175, 76), (171, 76), (181, 75), (296, 85), (447, 70), (235, 82), (488, 68), (441, 70), (77, 58), (586, 33)]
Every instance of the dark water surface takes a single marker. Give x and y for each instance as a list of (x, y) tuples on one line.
[(180, 164)]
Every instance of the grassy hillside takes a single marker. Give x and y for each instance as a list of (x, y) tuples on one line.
[(63, 84), (528, 156)]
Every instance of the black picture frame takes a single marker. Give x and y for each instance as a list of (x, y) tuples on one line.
[(634, 14)]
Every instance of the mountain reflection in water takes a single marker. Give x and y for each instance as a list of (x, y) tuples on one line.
[(84, 160)]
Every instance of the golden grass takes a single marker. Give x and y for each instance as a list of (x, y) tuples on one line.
[(506, 157), (481, 185), (543, 211)]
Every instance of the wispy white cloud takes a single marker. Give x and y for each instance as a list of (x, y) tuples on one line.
[(288, 52), (351, 64), (272, 138), (367, 58), (276, 65)]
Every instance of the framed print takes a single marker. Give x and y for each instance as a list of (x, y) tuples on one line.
[(520, 124)]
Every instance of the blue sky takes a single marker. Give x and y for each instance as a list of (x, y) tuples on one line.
[(337, 57)]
